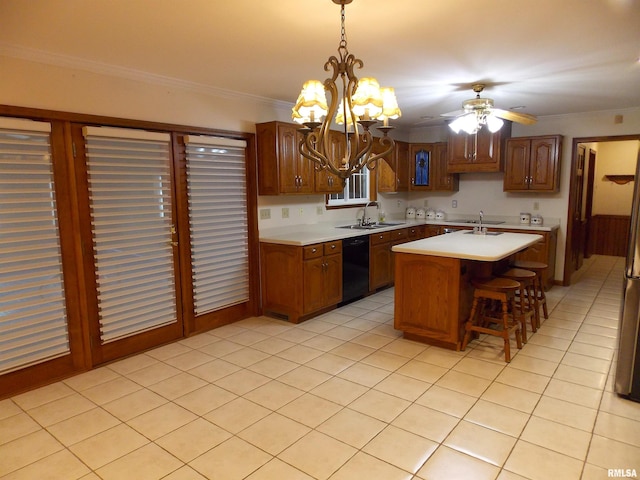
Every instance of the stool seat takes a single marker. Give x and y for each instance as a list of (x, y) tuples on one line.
[(488, 293), (495, 284), (539, 268), (518, 274), (527, 303), (530, 265)]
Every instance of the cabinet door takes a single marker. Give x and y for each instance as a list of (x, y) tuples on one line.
[(314, 284), (421, 158), (543, 166), (442, 180), (516, 174), (458, 152), (487, 150), (387, 180), (288, 158), (325, 182), (333, 279), (402, 166), (379, 265)]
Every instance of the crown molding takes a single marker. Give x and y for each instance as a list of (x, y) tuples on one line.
[(66, 61)]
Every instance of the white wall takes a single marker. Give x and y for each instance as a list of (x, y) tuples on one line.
[(614, 158), (135, 96)]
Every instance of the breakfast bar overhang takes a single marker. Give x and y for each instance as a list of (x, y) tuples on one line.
[(433, 290)]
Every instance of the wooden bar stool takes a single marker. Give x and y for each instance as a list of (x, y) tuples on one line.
[(500, 291), (539, 268), (526, 299)]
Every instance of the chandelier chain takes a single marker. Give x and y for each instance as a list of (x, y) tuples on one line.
[(343, 30)]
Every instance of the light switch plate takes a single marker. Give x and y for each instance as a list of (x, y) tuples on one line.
[(265, 213)]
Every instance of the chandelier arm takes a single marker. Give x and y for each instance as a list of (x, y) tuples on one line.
[(373, 161), (307, 149)]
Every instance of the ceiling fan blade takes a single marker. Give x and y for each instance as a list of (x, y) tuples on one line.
[(523, 118), (455, 113)]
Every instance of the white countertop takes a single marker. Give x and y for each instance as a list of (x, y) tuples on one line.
[(302, 235), (468, 246)]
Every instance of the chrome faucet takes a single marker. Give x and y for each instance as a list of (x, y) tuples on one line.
[(366, 221), (481, 215)]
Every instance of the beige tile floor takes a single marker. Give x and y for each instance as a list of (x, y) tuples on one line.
[(343, 396)]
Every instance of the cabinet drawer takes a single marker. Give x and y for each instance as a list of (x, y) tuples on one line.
[(312, 251), (378, 238), (401, 234), (331, 248)]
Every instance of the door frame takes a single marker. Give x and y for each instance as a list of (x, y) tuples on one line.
[(568, 265)]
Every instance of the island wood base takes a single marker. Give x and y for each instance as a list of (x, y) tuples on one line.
[(433, 296)]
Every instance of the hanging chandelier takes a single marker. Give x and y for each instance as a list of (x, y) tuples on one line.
[(356, 105)]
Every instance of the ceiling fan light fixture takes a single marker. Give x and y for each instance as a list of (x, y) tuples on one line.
[(468, 123), (494, 123)]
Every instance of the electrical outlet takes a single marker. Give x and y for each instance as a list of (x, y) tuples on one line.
[(319, 210), (285, 212), (399, 203), (301, 212), (454, 203), (265, 213), (536, 206), (426, 203)]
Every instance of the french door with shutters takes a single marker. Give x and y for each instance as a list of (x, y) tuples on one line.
[(40, 333), (129, 239), (217, 256)]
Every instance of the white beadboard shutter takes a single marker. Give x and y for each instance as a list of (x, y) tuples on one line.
[(216, 178), (130, 197), (33, 318)]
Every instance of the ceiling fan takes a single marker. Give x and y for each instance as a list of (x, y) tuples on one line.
[(480, 111)]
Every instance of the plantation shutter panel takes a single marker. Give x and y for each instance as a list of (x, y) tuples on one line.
[(217, 193), (33, 318), (130, 197)]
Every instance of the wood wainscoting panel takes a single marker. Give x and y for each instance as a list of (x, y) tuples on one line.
[(608, 235)]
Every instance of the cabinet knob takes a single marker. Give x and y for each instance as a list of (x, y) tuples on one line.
[(333, 246), (314, 250)]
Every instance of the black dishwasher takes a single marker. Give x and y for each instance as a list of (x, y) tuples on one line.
[(355, 267)]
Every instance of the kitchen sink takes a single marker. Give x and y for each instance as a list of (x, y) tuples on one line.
[(373, 226), (484, 222), (472, 232)]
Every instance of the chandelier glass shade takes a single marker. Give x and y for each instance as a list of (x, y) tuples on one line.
[(354, 104)]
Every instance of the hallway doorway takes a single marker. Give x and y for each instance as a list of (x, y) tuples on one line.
[(597, 222)]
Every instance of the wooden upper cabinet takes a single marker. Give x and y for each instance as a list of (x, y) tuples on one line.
[(478, 152), (326, 182), (281, 168), (533, 164), (442, 180), (429, 168), (393, 170)]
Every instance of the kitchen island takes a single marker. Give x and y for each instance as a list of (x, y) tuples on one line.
[(433, 290)]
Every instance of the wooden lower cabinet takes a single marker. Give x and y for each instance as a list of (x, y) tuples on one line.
[(432, 298), (543, 251), (319, 266), (418, 232), (381, 258)]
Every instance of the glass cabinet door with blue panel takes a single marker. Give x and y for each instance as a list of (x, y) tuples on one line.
[(421, 166)]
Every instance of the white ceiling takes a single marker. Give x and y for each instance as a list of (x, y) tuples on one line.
[(551, 56)]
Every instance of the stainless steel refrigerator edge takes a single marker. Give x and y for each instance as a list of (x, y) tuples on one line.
[(627, 378)]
